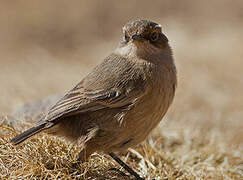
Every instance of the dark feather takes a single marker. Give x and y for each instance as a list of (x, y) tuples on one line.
[(28, 133)]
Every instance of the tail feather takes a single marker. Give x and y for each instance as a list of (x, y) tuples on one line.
[(28, 133)]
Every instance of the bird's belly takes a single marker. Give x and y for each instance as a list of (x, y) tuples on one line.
[(137, 123), (146, 119)]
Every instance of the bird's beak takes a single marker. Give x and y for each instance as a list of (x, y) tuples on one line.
[(136, 37)]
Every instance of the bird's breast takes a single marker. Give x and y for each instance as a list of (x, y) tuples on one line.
[(151, 108)]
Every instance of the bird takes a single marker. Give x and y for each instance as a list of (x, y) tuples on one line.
[(118, 104)]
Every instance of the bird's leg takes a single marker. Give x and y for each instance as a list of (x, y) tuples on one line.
[(84, 155), (126, 167)]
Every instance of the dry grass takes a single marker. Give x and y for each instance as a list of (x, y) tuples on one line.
[(175, 151), (44, 52)]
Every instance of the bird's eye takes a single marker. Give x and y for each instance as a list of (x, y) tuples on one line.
[(154, 36), (126, 38)]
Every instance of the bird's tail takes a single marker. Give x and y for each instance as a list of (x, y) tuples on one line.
[(28, 133)]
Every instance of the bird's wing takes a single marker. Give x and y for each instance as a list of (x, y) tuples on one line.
[(78, 100), (116, 82)]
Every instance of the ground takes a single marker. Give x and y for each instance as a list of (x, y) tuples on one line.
[(44, 52)]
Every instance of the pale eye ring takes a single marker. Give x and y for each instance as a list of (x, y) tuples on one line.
[(154, 36)]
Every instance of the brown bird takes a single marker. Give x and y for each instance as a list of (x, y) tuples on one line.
[(118, 103)]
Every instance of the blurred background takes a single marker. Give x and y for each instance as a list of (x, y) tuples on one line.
[(46, 47)]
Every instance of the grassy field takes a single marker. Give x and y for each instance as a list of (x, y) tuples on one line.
[(47, 47)]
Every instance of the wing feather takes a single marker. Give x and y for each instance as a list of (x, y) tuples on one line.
[(107, 86), (73, 102)]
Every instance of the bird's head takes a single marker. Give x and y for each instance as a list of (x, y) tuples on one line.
[(144, 32), (143, 38)]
